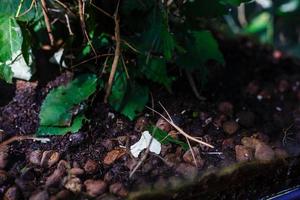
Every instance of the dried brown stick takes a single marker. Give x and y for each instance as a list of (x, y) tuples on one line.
[(180, 130), (20, 138), (89, 59), (83, 26), (47, 22), (116, 57)]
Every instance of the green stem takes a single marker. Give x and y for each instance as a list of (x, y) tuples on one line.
[(19, 7)]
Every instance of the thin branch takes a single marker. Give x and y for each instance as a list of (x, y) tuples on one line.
[(83, 26), (117, 54), (28, 10), (47, 22), (101, 10), (68, 25), (22, 137), (93, 58), (181, 131), (125, 67), (19, 7)]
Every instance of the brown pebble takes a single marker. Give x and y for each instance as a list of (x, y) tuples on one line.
[(73, 184), (76, 171), (264, 152), (12, 193), (3, 157), (188, 157), (55, 178), (40, 195), (49, 158), (113, 155), (140, 124), (35, 157), (90, 166), (118, 189), (230, 127), (95, 187), (243, 153), (187, 170), (250, 142), (163, 125)]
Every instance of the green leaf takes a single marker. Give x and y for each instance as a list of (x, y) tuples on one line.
[(200, 47), (55, 130), (6, 73), (128, 97), (155, 69), (10, 38), (164, 138), (56, 109), (259, 23)]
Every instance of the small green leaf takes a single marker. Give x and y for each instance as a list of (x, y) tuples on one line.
[(164, 138), (56, 109), (55, 130), (200, 47), (6, 73), (259, 23), (128, 97)]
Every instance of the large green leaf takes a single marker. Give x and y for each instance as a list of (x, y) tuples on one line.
[(128, 97), (56, 110), (200, 47), (6, 73), (15, 51), (55, 130), (10, 38)]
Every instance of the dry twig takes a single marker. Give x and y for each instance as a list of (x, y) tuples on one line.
[(22, 137), (83, 26), (180, 130), (117, 54), (47, 22)]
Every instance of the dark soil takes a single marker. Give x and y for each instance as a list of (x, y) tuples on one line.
[(257, 94)]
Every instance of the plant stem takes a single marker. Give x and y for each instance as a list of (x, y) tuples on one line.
[(116, 57)]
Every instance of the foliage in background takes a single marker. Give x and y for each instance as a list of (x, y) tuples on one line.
[(272, 22), (155, 37)]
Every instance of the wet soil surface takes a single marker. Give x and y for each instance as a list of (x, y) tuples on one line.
[(251, 113)]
